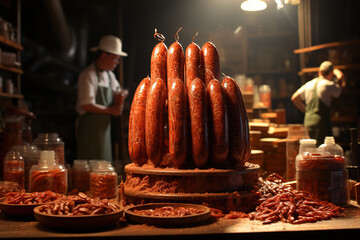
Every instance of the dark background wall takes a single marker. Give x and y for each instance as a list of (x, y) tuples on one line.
[(50, 77)]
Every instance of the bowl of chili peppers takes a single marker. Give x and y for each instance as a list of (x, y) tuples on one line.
[(21, 204), (79, 213)]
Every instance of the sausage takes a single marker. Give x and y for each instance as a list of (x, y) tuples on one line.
[(199, 122), (158, 62), (175, 63), (154, 122), (218, 122), (193, 67), (136, 139), (177, 122), (210, 62), (239, 150)]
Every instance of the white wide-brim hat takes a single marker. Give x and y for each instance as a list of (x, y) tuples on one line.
[(110, 44)]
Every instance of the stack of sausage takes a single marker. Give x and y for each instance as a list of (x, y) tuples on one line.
[(206, 119)]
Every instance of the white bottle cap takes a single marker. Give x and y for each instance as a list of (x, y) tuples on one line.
[(47, 157), (308, 141), (329, 140)]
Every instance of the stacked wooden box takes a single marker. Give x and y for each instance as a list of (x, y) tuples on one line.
[(268, 147)]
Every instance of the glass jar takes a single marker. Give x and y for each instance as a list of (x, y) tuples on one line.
[(31, 156), (265, 95), (48, 175), (80, 175), (103, 180), (51, 142), (325, 176), (14, 168), (295, 133)]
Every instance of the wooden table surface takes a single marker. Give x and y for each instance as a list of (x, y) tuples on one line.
[(340, 227)]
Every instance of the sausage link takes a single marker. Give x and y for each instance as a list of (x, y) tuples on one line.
[(136, 141), (158, 62), (193, 67), (175, 63), (177, 122), (199, 122), (210, 62), (154, 122), (239, 135), (218, 122)]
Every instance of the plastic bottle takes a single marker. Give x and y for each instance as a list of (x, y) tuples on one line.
[(103, 180), (330, 147), (322, 174), (51, 141), (80, 175), (295, 133), (14, 168), (48, 175)]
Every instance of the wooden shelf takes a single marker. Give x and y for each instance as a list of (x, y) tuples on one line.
[(351, 66), (8, 95), (10, 43), (11, 69), (270, 71), (326, 45)]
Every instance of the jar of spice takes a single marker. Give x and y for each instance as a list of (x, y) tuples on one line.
[(48, 175), (323, 175), (51, 142), (14, 168), (80, 175), (103, 180), (31, 156)]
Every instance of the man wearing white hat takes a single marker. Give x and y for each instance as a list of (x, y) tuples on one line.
[(314, 99), (99, 97)]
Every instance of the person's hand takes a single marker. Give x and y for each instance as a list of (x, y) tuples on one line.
[(116, 109), (340, 76)]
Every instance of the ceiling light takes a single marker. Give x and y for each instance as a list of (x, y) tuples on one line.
[(253, 5)]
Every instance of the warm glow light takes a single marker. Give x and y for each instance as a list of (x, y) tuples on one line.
[(253, 5)]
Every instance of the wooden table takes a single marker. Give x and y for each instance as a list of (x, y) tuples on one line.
[(341, 228)]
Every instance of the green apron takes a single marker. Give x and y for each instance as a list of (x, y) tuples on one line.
[(317, 118), (94, 130)]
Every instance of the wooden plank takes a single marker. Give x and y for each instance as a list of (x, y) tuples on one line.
[(340, 67), (10, 43), (326, 45)]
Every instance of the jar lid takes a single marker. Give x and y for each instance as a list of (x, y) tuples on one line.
[(102, 166), (308, 141)]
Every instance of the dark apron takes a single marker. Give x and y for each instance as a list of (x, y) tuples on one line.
[(94, 132), (317, 118)]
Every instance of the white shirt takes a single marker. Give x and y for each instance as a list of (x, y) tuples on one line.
[(88, 84), (326, 90)]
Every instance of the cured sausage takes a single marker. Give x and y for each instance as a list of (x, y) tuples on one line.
[(210, 62), (218, 122), (193, 67), (154, 122), (158, 59), (136, 141), (199, 122), (175, 63), (177, 122), (239, 151)]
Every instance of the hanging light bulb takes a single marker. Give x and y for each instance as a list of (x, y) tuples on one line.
[(253, 5)]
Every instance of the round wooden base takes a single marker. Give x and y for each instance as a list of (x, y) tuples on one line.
[(226, 189)]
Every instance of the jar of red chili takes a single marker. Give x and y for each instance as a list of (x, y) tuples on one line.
[(48, 175), (31, 156), (103, 180), (323, 175), (80, 175), (51, 142), (14, 168)]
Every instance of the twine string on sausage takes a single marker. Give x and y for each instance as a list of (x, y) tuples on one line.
[(159, 36)]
